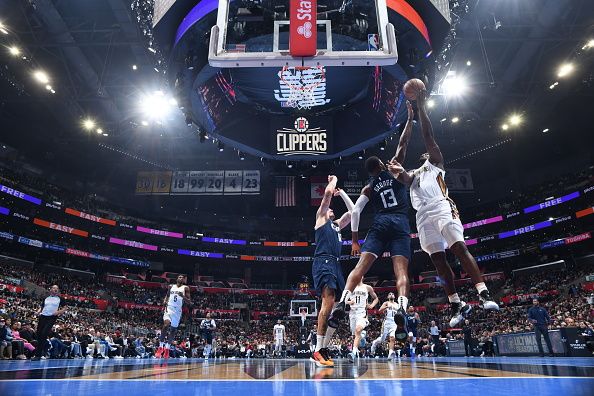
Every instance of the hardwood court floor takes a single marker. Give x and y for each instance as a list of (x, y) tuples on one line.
[(422, 376)]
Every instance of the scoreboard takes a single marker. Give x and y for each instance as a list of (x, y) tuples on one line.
[(229, 182)]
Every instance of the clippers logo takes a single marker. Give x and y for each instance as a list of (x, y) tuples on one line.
[(301, 124), (301, 140), (305, 30)]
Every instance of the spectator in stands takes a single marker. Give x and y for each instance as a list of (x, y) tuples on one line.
[(5, 341), (540, 319)]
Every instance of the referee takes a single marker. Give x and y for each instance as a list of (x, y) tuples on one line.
[(46, 319)]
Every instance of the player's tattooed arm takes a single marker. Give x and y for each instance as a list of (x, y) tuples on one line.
[(405, 137), (435, 156)]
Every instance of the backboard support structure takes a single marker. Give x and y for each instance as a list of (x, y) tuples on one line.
[(256, 34)]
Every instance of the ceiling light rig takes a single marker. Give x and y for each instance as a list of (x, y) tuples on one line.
[(481, 150)]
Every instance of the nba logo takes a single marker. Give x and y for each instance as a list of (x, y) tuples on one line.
[(373, 42)]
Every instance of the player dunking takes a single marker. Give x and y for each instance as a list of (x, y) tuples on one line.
[(437, 218), (358, 313), (174, 300), (326, 271), (390, 232), (390, 308), (279, 335)]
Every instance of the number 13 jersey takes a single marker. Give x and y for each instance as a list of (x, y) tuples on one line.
[(388, 195)]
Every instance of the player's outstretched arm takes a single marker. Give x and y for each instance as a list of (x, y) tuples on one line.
[(399, 173), (328, 193), (405, 137), (187, 298), (345, 219), (355, 217), (383, 307), (435, 156), (372, 294)]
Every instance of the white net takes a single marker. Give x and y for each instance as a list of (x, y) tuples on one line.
[(304, 85)]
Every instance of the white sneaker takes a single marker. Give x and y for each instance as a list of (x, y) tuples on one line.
[(119, 357)]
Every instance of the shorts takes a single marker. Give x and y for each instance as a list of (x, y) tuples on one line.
[(439, 227), (388, 330), (172, 315), (389, 233), (326, 272), (357, 320), (413, 336), (278, 342)]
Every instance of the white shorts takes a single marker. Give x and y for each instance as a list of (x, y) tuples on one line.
[(388, 330), (357, 320), (438, 228), (278, 342), (172, 315)]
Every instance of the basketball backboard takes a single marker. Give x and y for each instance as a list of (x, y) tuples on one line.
[(273, 33)]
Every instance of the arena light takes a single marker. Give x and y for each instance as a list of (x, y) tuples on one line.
[(565, 69), (134, 67), (443, 120), (314, 164), (430, 103), (157, 105), (454, 85), (14, 50), (221, 146), (553, 85), (505, 127), (289, 165), (3, 28), (545, 130), (241, 156), (468, 63), (41, 76), (99, 131), (88, 124), (589, 44), (144, 123), (515, 119), (455, 120)]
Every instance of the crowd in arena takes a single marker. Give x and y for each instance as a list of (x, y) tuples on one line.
[(84, 331)]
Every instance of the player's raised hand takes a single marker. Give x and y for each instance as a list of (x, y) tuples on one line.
[(332, 178), (411, 113), (336, 192), (422, 98), (395, 167)]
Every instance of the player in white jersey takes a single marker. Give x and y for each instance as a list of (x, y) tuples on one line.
[(358, 300), (438, 222), (279, 335), (174, 301), (390, 308)]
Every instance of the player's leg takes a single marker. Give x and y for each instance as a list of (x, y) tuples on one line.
[(164, 334), (319, 356), (363, 265), (453, 232), (400, 264)]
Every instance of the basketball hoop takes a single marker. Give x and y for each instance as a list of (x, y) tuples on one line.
[(302, 82)]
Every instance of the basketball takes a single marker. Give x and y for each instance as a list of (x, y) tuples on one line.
[(412, 88)]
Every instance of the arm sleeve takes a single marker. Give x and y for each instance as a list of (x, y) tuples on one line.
[(347, 201), (356, 214)]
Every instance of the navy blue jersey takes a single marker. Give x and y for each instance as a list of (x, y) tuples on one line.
[(388, 195), (328, 240), (411, 322)]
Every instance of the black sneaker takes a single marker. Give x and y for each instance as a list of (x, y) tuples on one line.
[(486, 302), (337, 315), (401, 333), (460, 311), (326, 354), (34, 358)]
